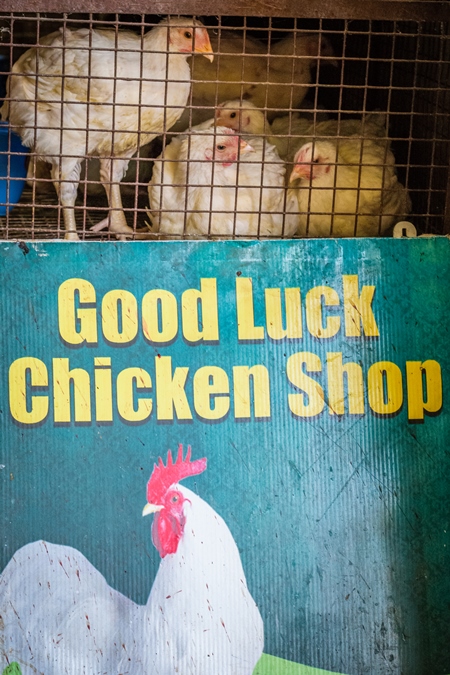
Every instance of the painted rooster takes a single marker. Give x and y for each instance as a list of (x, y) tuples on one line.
[(58, 614)]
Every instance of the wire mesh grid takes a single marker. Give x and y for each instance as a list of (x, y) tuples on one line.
[(297, 128)]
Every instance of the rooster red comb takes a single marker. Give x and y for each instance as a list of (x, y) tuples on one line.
[(164, 476)]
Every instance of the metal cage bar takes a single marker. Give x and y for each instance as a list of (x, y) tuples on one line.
[(374, 58)]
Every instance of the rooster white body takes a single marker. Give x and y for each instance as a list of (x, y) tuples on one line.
[(103, 93), (59, 616), (200, 611), (190, 195)]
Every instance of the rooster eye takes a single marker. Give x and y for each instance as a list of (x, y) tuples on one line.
[(220, 147), (315, 161), (188, 35), (233, 115), (174, 499)]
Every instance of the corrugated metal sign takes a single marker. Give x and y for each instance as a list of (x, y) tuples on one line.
[(313, 378)]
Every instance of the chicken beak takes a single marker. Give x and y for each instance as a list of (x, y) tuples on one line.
[(206, 50), (151, 508), (294, 174), (300, 171), (245, 147)]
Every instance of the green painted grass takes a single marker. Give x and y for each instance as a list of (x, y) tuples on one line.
[(271, 665), (267, 665), (12, 669)]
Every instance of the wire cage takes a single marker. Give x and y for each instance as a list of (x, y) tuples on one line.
[(338, 123)]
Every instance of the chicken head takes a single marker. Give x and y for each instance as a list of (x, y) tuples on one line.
[(166, 499), (240, 116), (227, 149), (190, 36), (313, 160)]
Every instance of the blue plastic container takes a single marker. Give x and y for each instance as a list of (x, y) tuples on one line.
[(13, 169)]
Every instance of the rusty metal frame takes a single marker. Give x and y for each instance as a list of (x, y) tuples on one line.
[(406, 10)]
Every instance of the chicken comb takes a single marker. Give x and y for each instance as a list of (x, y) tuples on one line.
[(164, 476)]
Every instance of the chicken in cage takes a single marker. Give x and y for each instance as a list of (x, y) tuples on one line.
[(288, 128), (122, 104)]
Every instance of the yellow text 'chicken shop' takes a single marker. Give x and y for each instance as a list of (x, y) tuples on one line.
[(166, 390)]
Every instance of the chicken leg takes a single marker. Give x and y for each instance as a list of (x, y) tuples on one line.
[(65, 177), (111, 173)]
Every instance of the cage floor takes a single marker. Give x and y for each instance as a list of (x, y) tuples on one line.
[(43, 218)]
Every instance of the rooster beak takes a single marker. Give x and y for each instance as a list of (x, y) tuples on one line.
[(151, 508), (245, 147)]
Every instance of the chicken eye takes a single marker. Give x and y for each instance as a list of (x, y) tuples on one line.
[(188, 35), (315, 161), (220, 147), (174, 499), (233, 115)]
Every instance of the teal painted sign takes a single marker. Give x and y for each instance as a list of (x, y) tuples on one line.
[(300, 523)]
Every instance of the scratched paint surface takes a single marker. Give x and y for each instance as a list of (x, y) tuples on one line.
[(341, 520)]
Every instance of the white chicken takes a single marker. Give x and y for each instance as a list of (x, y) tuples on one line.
[(347, 187), (58, 614), (91, 92), (207, 183), (276, 79)]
